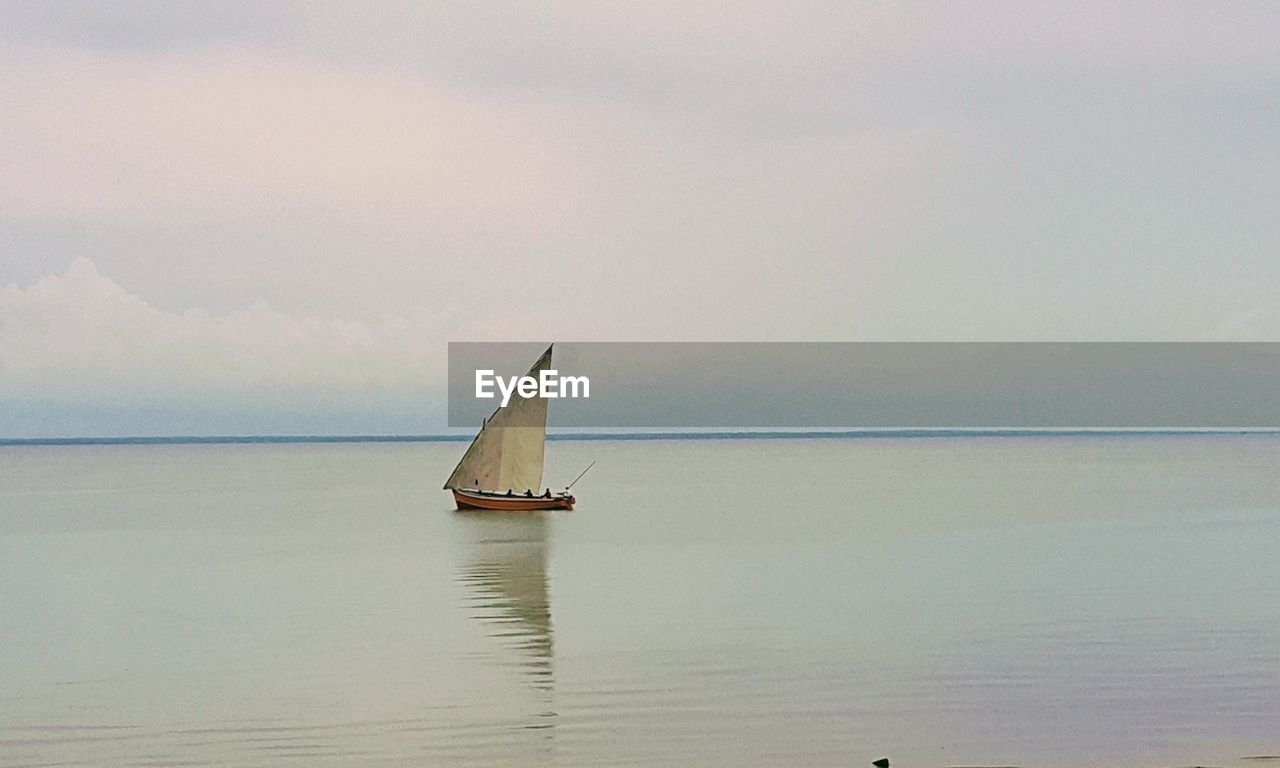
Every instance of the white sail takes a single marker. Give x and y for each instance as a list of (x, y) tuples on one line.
[(507, 454)]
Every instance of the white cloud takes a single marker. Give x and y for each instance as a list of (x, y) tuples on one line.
[(325, 188), (144, 138), (819, 170), (81, 337)]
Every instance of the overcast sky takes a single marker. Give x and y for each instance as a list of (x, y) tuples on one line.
[(270, 216)]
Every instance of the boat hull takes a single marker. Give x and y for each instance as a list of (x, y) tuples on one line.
[(502, 503)]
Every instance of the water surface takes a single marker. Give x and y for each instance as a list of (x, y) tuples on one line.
[(1057, 601)]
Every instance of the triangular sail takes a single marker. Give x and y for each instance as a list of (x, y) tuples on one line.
[(507, 454)]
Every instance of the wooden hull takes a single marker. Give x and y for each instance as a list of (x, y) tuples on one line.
[(503, 503)]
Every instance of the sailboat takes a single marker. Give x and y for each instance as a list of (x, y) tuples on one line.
[(502, 468)]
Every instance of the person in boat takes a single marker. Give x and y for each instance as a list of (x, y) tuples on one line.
[(547, 495), (528, 493), (509, 493)]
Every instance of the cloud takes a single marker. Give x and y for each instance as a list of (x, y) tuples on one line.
[(678, 171), (144, 138), (385, 187), (80, 337)]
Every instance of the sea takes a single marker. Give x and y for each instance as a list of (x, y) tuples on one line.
[(939, 600)]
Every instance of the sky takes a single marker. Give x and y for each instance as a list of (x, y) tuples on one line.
[(270, 217)]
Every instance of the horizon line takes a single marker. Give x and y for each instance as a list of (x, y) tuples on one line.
[(869, 433)]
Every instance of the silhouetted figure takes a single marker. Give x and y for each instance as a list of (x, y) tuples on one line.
[(509, 493), (528, 493), (547, 495)]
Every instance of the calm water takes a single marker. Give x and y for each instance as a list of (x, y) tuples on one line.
[(1029, 601)]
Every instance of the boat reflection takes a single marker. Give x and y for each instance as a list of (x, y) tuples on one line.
[(507, 592)]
